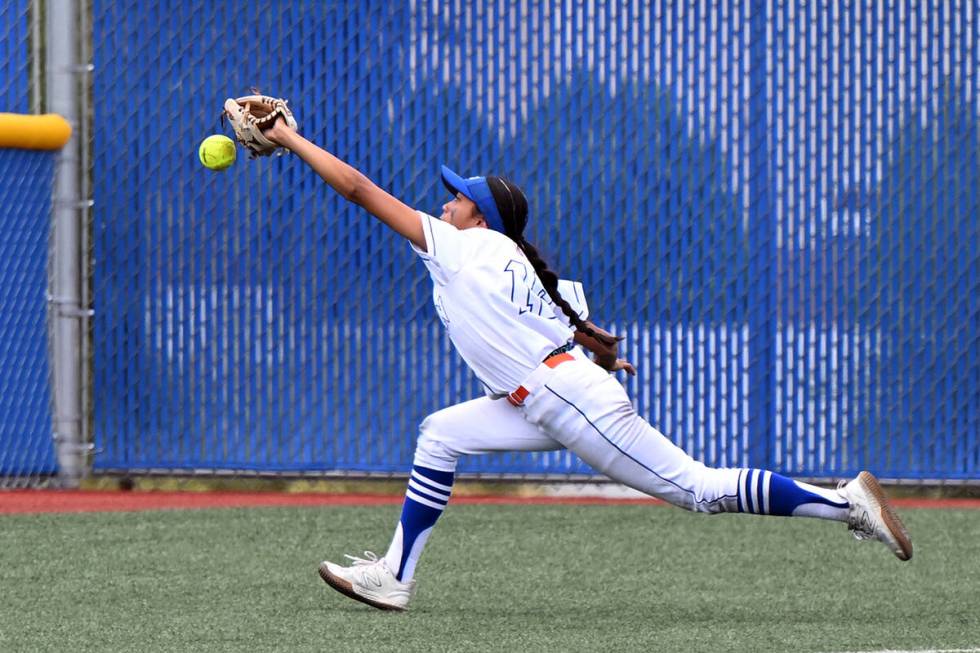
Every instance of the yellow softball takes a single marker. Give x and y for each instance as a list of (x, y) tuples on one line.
[(217, 152)]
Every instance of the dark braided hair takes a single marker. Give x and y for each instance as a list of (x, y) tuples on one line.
[(512, 204)]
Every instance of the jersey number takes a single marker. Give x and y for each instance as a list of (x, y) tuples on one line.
[(526, 293)]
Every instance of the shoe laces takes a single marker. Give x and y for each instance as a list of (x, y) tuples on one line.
[(370, 567), (370, 558)]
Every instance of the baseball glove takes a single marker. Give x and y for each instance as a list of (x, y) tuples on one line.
[(250, 114)]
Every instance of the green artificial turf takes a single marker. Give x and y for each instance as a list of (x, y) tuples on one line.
[(493, 578)]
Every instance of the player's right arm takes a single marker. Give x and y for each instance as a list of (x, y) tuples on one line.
[(605, 356), (351, 184)]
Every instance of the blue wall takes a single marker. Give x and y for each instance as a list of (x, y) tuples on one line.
[(26, 447), (777, 207), (14, 53)]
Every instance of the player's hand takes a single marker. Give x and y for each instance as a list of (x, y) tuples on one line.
[(611, 364), (280, 132), (253, 117), (625, 365)]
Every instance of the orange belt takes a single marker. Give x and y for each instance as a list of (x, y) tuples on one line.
[(517, 397)]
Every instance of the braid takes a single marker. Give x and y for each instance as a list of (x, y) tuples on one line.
[(512, 205), (550, 281)]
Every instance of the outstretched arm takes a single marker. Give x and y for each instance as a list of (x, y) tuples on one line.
[(352, 184)]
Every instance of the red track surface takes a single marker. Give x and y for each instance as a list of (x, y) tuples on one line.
[(59, 501)]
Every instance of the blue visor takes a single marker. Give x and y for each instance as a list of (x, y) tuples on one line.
[(477, 190)]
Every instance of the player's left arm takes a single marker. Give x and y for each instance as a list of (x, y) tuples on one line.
[(605, 356), (352, 184)]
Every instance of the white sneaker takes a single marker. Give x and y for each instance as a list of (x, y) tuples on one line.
[(871, 517), (368, 581)]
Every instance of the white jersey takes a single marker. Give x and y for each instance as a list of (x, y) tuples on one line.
[(499, 316)]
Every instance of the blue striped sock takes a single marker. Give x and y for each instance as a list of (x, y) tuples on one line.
[(765, 493), (425, 499)]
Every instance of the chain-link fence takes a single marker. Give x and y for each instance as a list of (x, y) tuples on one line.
[(26, 446), (15, 73), (776, 205)]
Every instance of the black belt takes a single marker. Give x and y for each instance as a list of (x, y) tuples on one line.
[(552, 360), (568, 346)]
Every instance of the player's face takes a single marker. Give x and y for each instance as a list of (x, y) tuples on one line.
[(461, 212)]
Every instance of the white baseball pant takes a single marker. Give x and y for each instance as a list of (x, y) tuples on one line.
[(580, 407)]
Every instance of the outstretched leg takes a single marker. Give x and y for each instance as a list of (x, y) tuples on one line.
[(474, 427), (588, 411)]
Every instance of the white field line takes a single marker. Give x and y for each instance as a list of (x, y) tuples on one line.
[(922, 650)]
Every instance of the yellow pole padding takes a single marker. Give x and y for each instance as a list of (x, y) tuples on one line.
[(22, 132)]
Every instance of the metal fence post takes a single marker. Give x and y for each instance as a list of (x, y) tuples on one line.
[(66, 312), (762, 320)]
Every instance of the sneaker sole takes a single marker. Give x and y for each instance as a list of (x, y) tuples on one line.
[(347, 590), (888, 515)]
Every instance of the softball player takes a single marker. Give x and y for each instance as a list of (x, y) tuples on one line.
[(508, 320)]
